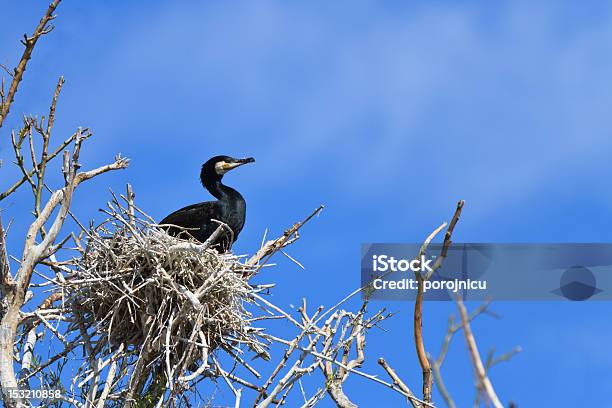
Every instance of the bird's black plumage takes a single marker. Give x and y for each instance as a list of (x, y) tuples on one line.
[(230, 207)]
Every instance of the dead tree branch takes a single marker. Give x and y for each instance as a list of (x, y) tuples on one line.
[(416, 403), (439, 361), (43, 27), (484, 384), (418, 304)]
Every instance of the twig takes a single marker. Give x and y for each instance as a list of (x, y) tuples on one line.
[(31, 173), (41, 29), (130, 200), (418, 304), (271, 247), (399, 383), (484, 384)]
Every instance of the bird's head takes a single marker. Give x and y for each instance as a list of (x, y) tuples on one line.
[(216, 167)]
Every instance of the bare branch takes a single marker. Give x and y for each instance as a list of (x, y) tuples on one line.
[(44, 159), (31, 173), (447, 239), (271, 247), (418, 304), (42, 28), (399, 383), (437, 363), (129, 196), (5, 270), (484, 384)]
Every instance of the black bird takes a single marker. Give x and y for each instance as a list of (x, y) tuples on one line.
[(230, 207)]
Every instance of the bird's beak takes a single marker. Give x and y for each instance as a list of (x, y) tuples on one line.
[(238, 163)]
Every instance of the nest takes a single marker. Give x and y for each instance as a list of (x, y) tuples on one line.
[(137, 288)]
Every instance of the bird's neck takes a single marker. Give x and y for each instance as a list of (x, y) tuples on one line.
[(223, 192)]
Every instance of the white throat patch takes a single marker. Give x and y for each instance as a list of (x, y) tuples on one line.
[(221, 168)]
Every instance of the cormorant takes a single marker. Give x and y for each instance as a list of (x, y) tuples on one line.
[(230, 207)]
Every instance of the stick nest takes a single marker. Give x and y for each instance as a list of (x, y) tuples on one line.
[(135, 285)]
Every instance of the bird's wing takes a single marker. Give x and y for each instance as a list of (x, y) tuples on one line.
[(193, 215)]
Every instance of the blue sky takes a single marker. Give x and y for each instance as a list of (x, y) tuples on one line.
[(388, 114)]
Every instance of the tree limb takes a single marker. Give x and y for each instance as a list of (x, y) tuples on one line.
[(418, 304), (399, 383), (42, 28), (484, 384)]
